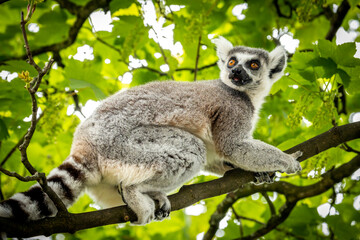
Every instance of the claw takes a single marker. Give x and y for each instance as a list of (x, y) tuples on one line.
[(297, 154), (264, 177)]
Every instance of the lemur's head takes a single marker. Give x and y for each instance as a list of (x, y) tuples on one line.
[(245, 68)]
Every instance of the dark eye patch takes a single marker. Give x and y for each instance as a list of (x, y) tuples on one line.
[(253, 64), (232, 62)]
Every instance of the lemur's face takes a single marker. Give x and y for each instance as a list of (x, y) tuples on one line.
[(245, 68)]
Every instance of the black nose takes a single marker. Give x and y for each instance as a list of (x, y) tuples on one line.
[(236, 71)]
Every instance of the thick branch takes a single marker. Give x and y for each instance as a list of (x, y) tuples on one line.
[(326, 140), (292, 192), (337, 19), (189, 195)]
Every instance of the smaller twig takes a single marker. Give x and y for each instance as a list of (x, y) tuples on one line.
[(278, 10), (347, 148), (199, 69), (219, 214), (21, 140), (197, 58), (126, 62), (152, 70), (239, 219), (337, 19), (299, 84), (288, 233), (1, 193), (333, 200), (58, 59), (34, 177), (27, 48), (162, 11), (252, 220), (162, 51), (109, 45), (32, 89), (273, 222), (270, 203)]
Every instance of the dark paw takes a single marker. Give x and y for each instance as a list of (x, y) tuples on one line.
[(264, 177), (162, 213)]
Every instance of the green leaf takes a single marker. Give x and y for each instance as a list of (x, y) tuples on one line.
[(326, 49), (342, 54), (141, 77), (53, 17), (345, 55), (341, 228), (303, 220), (82, 76), (353, 75), (18, 66), (117, 4), (4, 134)]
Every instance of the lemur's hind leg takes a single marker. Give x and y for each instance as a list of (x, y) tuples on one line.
[(173, 155)]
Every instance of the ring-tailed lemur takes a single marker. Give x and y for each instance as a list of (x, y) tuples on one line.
[(151, 139)]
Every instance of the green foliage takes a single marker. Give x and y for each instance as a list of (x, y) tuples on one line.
[(306, 102)]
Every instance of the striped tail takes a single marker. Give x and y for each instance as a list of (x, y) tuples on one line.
[(68, 181)]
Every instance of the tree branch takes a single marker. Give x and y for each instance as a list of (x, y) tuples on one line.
[(273, 222), (292, 192), (271, 205), (197, 58), (34, 177), (21, 140), (337, 19), (32, 89), (199, 69), (278, 10), (191, 194)]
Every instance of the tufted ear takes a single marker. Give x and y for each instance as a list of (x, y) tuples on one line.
[(223, 47), (277, 63)]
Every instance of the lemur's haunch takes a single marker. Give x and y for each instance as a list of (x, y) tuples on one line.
[(151, 139)]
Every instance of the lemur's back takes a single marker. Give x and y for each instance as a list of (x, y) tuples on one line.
[(185, 105)]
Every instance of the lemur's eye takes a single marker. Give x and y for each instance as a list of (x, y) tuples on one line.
[(232, 62), (254, 65)]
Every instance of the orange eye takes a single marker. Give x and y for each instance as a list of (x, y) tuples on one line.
[(254, 65), (231, 62)]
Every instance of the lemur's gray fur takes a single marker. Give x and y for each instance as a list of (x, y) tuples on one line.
[(151, 139)]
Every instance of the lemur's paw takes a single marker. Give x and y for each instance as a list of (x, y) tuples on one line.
[(144, 218), (161, 213), (264, 177), (297, 154), (164, 209), (294, 165)]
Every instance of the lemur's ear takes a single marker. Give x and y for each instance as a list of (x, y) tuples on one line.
[(223, 47), (277, 63)]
